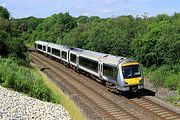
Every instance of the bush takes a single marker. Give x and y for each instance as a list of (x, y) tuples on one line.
[(165, 76), (172, 82), (24, 80), (40, 91), (179, 90), (157, 78)]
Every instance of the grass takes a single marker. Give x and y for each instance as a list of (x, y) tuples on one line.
[(174, 99), (23, 79)]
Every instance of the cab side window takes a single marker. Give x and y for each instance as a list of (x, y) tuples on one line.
[(109, 71)]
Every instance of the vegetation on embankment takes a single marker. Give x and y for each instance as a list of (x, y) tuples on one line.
[(30, 81), (23, 79), (165, 76)]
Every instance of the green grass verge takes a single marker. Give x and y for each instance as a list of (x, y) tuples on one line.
[(174, 99), (28, 80), (23, 79)]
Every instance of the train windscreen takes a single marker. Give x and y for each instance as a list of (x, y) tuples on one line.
[(131, 71)]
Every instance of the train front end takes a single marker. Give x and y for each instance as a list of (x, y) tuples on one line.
[(131, 77)]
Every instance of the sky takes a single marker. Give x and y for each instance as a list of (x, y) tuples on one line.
[(101, 8)]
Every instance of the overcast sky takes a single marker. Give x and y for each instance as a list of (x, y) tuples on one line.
[(101, 8)]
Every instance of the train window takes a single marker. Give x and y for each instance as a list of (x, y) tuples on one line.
[(73, 58), (49, 49), (55, 52), (44, 48), (39, 46), (64, 54), (109, 71), (131, 71), (88, 63)]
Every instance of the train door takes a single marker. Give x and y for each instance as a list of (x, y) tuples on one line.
[(46, 48), (68, 56), (61, 55), (50, 52), (77, 60), (100, 68)]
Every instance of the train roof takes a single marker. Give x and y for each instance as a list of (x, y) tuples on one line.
[(112, 59), (53, 45), (88, 53), (41, 42), (107, 58), (61, 47)]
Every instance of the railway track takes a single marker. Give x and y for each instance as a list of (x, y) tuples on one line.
[(157, 109), (109, 107)]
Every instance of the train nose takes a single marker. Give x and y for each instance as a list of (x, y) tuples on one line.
[(133, 81)]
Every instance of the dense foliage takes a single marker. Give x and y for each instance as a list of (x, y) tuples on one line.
[(51, 29), (24, 80), (150, 40), (4, 13), (11, 45), (160, 44)]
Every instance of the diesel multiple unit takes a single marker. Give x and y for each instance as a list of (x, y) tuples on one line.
[(118, 73)]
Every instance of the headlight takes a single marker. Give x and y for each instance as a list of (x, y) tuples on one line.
[(125, 82)]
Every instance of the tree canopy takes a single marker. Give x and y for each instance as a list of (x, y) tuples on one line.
[(4, 13), (11, 45)]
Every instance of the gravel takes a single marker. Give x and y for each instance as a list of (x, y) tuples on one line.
[(16, 106)]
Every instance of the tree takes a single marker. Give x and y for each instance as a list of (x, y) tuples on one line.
[(4, 13), (82, 19), (28, 24), (160, 44), (4, 37), (55, 27)]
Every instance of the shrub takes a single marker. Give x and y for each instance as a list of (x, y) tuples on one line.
[(166, 76), (157, 78), (172, 82), (145, 71), (24, 80), (40, 91), (179, 89)]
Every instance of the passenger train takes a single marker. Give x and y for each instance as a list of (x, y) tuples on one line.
[(118, 73)]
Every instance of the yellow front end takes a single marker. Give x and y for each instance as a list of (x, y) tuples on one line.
[(132, 73), (133, 81)]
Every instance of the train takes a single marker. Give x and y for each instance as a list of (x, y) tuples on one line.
[(118, 73)]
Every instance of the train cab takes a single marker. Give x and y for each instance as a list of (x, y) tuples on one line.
[(131, 76)]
